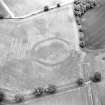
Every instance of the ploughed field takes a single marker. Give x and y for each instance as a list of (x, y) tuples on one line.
[(94, 24), (43, 50)]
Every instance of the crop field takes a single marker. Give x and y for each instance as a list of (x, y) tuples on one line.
[(37, 48), (27, 7), (39, 51)]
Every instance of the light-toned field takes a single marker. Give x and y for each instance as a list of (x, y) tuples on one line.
[(39, 51), (95, 62), (24, 7)]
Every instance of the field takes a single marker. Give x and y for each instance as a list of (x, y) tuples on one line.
[(96, 64), (38, 51), (94, 25), (24, 7)]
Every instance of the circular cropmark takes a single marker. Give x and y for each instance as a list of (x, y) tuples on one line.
[(51, 51)]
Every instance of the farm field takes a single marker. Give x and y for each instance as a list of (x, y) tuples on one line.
[(24, 7), (36, 48), (39, 51)]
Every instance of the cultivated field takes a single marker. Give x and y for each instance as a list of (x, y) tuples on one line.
[(40, 50), (24, 7)]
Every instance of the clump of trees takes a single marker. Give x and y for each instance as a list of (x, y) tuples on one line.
[(82, 6)]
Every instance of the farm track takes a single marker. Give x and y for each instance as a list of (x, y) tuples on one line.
[(60, 91)]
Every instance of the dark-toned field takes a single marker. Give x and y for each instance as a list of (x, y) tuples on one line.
[(94, 27)]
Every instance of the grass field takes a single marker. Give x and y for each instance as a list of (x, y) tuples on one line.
[(40, 50), (24, 7), (94, 25)]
